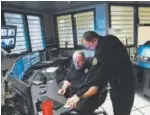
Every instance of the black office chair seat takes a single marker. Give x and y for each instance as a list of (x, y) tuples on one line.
[(99, 112)]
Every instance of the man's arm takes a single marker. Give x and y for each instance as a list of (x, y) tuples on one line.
[(66, 84), (67, 80), (73, 101), (98, 75), (91, 91)]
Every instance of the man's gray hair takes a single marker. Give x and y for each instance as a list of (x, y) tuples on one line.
[(79, 52)]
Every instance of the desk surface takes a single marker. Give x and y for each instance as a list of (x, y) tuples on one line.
[(51, 89), (58, 112), (141, 64)]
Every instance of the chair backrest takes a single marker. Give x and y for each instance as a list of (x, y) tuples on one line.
[(103, 95)]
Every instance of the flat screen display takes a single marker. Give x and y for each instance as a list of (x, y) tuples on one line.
[(26, 62), (3, 32), (11, 32), (7, 42), (144, 50), (35, 58), (8, 37), (19, 69)]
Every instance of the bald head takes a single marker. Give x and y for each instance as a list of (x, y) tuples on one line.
[(79, 59), (79, 53)]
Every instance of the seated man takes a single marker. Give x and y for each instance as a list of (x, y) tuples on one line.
[(75, 79)]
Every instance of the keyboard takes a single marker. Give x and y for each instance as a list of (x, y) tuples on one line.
[(56, 104)]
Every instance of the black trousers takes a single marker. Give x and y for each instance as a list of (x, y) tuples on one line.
[(86, 106), (122, 103)]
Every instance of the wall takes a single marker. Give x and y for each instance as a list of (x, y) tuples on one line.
[(48, 21), (49, 28)]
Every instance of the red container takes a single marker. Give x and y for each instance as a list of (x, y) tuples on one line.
[(47, 108)]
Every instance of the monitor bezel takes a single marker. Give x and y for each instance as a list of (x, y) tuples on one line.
[(7, 37)]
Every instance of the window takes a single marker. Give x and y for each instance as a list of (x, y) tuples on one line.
[(84, 22), (144, 15), (32, 40), (70, 28), (15, 19), (65, 34), (35, 32), (122, 23)]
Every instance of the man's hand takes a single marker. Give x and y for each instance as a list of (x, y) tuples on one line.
[(61, 91), (72, 102)]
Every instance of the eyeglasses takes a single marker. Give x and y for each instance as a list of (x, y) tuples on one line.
[(77, 62)]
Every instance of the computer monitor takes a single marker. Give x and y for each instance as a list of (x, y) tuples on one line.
[(3, 32), (144, 50), (26, 62), (19, 68), (8, 37), (23, 64), (35, 58)]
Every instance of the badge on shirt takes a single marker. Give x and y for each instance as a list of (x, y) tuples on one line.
[(94, 61), (86, 70)]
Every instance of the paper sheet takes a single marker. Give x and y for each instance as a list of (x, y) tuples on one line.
[(51, 69)]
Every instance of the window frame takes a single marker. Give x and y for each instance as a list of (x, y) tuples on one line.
[(136, 18), (42, 29), (138, 13), (72, 13), (25, 14)]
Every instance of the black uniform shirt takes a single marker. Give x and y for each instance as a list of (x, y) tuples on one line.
[(111, 63), (77, 77)]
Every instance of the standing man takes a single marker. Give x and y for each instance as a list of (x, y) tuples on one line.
[(111, 64)]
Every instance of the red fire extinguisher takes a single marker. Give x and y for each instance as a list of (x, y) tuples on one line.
[(47, 108)]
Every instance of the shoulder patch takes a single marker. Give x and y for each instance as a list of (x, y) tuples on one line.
[(86, 70), (94, 61)]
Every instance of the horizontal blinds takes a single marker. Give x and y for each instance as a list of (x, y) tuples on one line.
[(64, 24), (35, 32), (15, 19), (144, 15), (84, 22), (122, 23)]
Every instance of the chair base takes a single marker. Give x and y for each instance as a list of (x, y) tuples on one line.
[(99, 112)]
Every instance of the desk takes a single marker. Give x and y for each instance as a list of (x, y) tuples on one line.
[(146, 67), (58, 112), (141, 64), (51, 91)]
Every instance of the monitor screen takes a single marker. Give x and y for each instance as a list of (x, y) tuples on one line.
[(26, 62), (11, 32), (8, 37), (19, 69), (144, 50), (35, 58), (3, 32), (7, 42)]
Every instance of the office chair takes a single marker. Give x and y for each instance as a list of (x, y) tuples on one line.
[(102, 99)]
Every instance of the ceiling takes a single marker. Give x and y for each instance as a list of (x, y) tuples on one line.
[(47, 6), (54, 6)]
